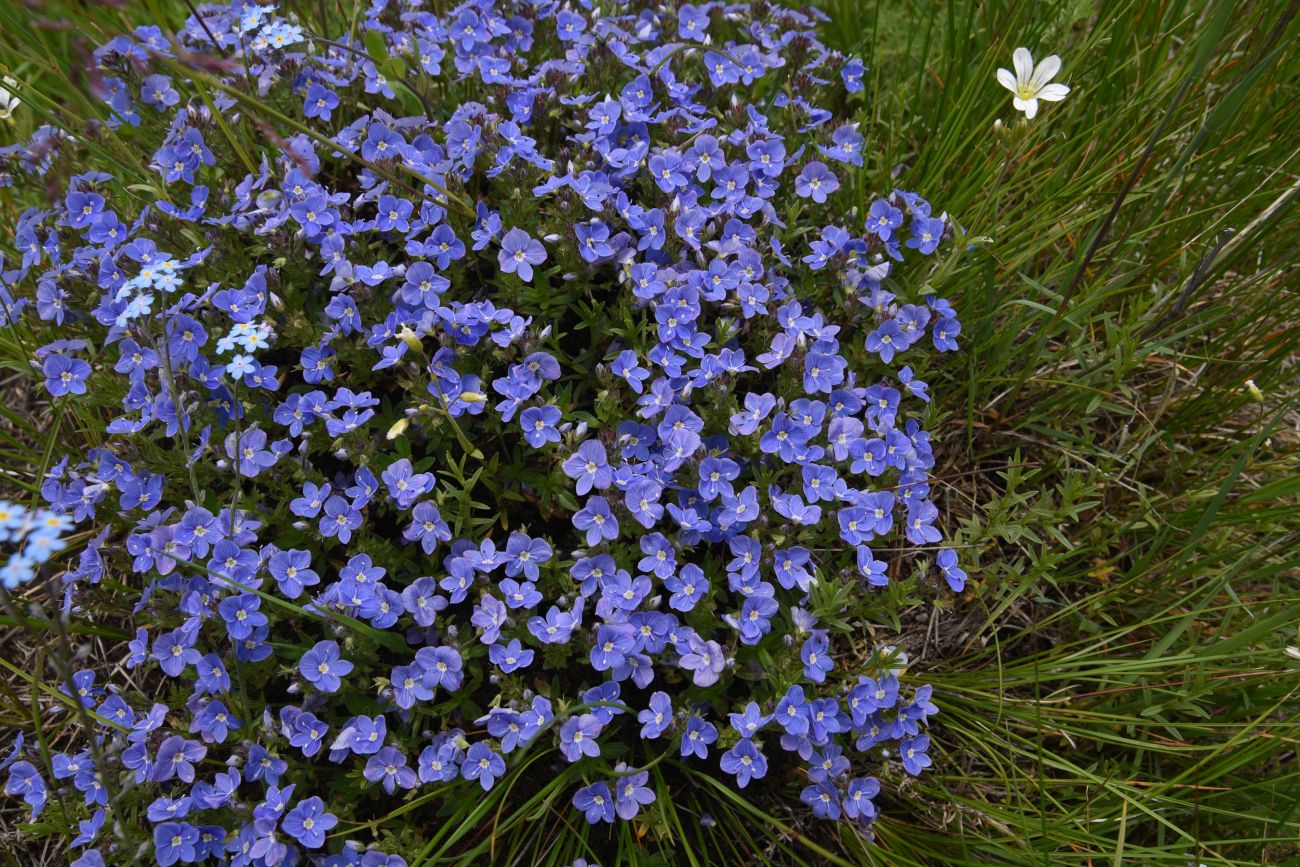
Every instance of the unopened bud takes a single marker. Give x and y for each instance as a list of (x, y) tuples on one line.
[(411, 339), (399, 427)]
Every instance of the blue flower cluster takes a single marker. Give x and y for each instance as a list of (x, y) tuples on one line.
[(316, 333), (29, 539)]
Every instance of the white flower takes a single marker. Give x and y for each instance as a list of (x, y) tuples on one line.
[(1031, 83), (8, 101)]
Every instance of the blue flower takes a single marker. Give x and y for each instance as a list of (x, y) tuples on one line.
[(308, 822), (593, 241), (308, 733), (175, 841), (510, 657), (589, 466), (857, 802), (25, 781), (851, 73), (687, 588), (340, 518), (748, 723), (693, 22), (64, 375), (483, 764), (697, 736), (822, 798), (945, 333), (322, 666), (631, 794), (596, 519), (442, 665), (946, 560), (656, 719), (913, 753), (519, 253), (175, 650), (388, 767), (817, 662), (612, 645), (596, 802), (319, 102), (745, 761), (539, 425), (578, 736)]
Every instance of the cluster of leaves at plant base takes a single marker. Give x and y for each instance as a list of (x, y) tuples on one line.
[(512, 379)]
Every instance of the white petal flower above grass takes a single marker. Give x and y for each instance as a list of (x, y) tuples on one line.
[(8, 99), (1031, 83)]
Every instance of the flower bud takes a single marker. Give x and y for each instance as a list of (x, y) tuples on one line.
[(410, 338), (399, 427)]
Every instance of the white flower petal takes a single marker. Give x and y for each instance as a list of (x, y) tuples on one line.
[(1023, 61), (1031, 108), (1006, 79), (1045, 71), (1053, 92)]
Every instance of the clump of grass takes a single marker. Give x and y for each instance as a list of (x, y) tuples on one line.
[(1118, 686), (1114, 685)]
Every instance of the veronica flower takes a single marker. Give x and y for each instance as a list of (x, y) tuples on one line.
[(176, 758), (442, 666), (944, 333), (173, 842), (857, 798), (175, 650), (815, 182), (697, 736), (745, 761), (578, 736), (64, 375), (24, 780), (388, 767), (319, 102), (308, 822), (519, 253), (340, 518), (589, 466), (816, 657), (946, 560), (596, 520), (323, 667), (822, 799), (510, 657), (1031, 83), (438, 764), (483, 764), (657, 717), (409, 686), (596, 802), (913, 753), (539, 425)]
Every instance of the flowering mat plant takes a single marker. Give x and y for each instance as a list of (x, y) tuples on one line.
[(514, 398)]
